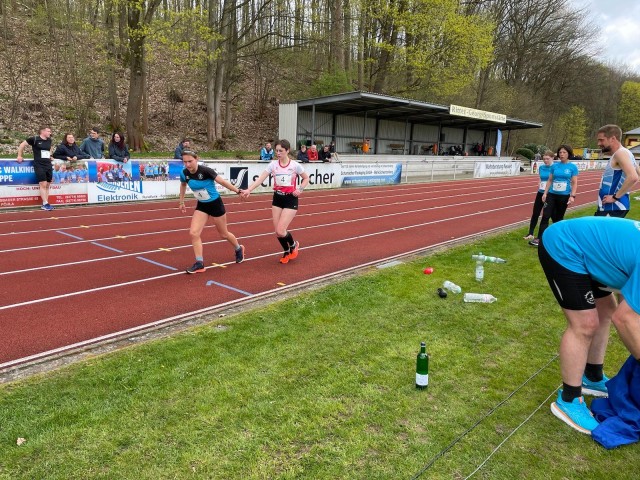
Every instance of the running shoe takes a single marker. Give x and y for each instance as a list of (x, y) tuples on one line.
[(575, 414), (528, 237), (47, 207), (293, 253), (535, 242), (285, 258), (240, 254), (197, 267), (595, 389)]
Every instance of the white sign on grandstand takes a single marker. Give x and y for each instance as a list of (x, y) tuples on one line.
[(473, 113), (496, 169)]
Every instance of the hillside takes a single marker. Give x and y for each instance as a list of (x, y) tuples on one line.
[(65, 99)]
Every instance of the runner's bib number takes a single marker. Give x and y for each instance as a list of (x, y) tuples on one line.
[(45, 154), (543, 185), (201, 194), (559, 186), (284, 180)]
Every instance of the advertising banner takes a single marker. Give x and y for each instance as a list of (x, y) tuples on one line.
[(371, 173), (496, 169), (14, 173), (26, 195)]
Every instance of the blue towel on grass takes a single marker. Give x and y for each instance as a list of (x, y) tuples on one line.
[(619, 415)]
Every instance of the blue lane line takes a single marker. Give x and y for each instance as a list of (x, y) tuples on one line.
[(156, 263), (229, 287), (108, 248), (69, 235)]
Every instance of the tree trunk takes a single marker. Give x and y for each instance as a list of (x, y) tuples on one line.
[(136, 91), (114, 102)]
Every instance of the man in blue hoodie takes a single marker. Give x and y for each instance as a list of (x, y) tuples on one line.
[(93, 145)]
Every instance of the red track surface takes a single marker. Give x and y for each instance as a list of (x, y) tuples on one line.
[(80, 273)]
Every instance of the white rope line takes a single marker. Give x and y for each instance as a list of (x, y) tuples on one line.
[(512, 432)]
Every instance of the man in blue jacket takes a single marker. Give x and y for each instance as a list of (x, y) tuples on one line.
[(93, 145), (585, 260)]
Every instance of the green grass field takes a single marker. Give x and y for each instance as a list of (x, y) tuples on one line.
[(321, 386)]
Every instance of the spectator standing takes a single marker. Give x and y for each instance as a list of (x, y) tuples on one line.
[(325, 154), (284, 206), (266, 153), (312, 153), (118, 150), (544, 170), (619, 176), (302, 154), (560, 192), (185, 144), (93, 145), (68, 150), (202, 181), (41, 146), (584, 259)]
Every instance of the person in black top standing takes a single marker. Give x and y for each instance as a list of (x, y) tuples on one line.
[(41, 146)]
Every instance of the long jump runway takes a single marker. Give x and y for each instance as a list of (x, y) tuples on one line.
[(80, 275)]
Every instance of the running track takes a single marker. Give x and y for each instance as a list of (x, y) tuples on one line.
[(80, 275)]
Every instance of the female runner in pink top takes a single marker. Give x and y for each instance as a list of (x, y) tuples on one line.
[(284, 173)]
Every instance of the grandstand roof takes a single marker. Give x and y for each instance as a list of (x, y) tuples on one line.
[(404, 109)]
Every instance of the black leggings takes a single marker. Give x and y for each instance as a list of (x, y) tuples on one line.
[(537, 208), (554, 209)]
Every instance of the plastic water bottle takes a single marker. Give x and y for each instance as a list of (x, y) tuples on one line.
[(479, 271), (485, 258), (479, 298), (422, 367), (452, 287)]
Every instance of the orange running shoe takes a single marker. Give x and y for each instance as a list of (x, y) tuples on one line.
[(293, 254), (285, 258)]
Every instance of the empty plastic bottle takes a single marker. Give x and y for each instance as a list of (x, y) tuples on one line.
[(484, 258), (479, 298), (479, 271), (452, 287)]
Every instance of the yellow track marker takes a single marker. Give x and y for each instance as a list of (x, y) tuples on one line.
[(84, 226), (54, 218), (165, 249), (218, 265), (281, 284), (120, 236)]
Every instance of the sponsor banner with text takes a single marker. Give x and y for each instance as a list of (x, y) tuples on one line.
[(371, 173), (496, 169)]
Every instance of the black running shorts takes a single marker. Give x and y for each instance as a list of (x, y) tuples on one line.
[(44, 172), (214, 208), (285, 200), (573, 291)]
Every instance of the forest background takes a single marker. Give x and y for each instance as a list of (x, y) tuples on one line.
[(216, 70)]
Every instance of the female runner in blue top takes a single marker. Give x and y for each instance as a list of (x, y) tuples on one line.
[(202, 182), (544, 171), (560, 191)]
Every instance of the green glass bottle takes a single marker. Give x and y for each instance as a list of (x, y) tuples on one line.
[(422, 367)]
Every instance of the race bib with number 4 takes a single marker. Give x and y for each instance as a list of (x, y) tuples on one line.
[(201, 194)]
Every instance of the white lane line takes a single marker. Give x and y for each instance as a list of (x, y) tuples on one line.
[(266, 219), (340, 222), (392, 230), (350, 195), (201, 311)]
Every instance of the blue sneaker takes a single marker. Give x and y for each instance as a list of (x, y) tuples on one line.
[(575, 414), (240, 254), (595, 389), (46, 207)]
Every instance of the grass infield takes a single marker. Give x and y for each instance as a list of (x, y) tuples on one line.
[(322, 387)]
